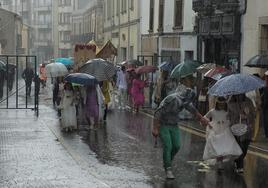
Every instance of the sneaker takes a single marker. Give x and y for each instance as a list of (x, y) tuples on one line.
[(169, 174), (239, 170)]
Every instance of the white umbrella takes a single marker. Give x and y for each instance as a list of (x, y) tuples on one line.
[(56, 70)]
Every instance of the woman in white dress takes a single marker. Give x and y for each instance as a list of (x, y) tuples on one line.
[(220, 142), (68, 112)]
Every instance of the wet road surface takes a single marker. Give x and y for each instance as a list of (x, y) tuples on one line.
[(121, 153)]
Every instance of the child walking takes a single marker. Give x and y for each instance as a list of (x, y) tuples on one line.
[(220, 142)]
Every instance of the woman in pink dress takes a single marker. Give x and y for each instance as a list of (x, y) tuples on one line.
[(137, 92)]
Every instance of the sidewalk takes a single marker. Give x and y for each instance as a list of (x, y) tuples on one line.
[(31, 156), (259, 145)]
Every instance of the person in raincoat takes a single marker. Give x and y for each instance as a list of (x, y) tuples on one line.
[(165, 122), (137, 92), (28, 76)]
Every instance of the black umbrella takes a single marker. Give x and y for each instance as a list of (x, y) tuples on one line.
[(259, 61), (99, 68)]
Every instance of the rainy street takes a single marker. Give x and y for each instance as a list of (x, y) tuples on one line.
[(120, 153), (133, 93)]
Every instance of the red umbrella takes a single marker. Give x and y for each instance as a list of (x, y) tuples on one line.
[(145, 69), (214, 71)]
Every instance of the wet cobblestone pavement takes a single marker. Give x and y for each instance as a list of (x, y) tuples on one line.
[(34, 152)]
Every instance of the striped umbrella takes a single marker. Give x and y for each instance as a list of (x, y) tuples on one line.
[(99, 68)]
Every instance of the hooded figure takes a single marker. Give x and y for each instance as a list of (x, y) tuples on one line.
[(166, 118)]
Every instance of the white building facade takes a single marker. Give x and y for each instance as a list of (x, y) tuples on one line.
[(122, 26), (254, 30), (161, 25)]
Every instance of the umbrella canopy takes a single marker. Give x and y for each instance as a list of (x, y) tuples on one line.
[(167, 66), (236, 84), (65, 61), (81, 78), (2, 66), (145, 69), (184, 69), (221, 75), (259, 61), (214, 71), (56, 70), (205, 67), (99, 68)]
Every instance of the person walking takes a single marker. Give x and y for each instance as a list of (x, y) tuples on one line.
[(160, 89), (91, 106), (137, 92), (122, 87), (43, 76), (106, 94), (28, 76), (68, 113), (11, 77), (165, 123), (220, 142), (264, 106), (241, 110)]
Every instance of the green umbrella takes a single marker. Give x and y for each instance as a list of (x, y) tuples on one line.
[(2, 66), (184, 69)]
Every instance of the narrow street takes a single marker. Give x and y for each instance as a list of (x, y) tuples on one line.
[(120, 153)]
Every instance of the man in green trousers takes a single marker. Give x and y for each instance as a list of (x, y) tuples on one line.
[(166, 118)]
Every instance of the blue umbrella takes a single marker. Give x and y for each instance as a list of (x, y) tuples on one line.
[(65, 61), (81, 78), (236, 84), (167, 66)]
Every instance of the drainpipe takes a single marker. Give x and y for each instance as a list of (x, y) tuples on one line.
[(128, 35), (240, 35)]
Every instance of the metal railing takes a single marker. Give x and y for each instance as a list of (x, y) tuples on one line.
[(12, 73)]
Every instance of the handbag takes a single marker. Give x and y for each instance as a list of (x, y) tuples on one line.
[(239, 129)]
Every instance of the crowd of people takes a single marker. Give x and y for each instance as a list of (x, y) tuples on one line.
[(223, 143), (77, 103)]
